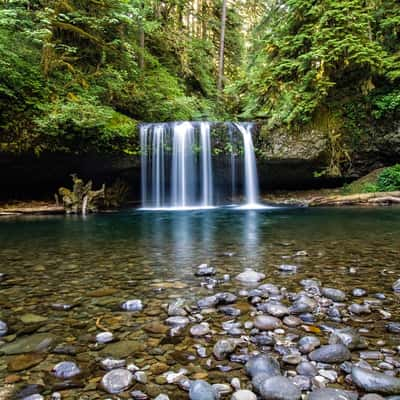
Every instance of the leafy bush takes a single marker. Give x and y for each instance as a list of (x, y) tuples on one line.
[(389, 179)]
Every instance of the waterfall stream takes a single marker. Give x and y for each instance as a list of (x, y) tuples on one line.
[(179, 170)]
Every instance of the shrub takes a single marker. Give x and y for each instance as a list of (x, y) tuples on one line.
[(389, 179)]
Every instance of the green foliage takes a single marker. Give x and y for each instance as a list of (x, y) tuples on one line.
[(389, 179)]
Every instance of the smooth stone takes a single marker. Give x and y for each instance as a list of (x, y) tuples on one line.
[(205, 270), (332, 394), (267, 322), (223, 348), (117, 381), (30, 389), (393, 327), (176, 308), (396, 286), (139, 395), (39, 342), (177, 321), (275, 309), (162, 396), (208, 302), (303, 382), (123, 348), (331, 353), (292, 321), (3, 328), (307, 369), (34, 397), (333, 294), (104, 337), (25, 361), (359, 309), (140, 377), (262, 364), (348, 337), (244, 395), (358, 292), (279, 388), (377, 382), (288, 268), (65, 370), (308, 343), (250, 276), (201, 390), (372, 396), (111, 363), (32, 318), (226, 298), (292, 359), (132, 305), (200, 329)]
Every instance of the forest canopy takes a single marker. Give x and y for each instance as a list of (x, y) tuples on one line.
[(77, 75)]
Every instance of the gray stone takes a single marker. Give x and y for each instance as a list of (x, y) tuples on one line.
[(65, 370), (205, 270), (208, 302), (250, 276), (279, 388), (244, 395), (132, 305), (349, 337), (3, 328), (162, 396), (201, 390), (117, 381), (372, 396), (28, 344), (262, 364), (104, 337), (331, 353), (267, 322), (177, 321), (332, 394), (223, 348), (307, 369), (111, 363), (275, 309), (200, 329), (377, 382), (393, 327), (308, 343), (396, 286), (333, 294), (288, 268)]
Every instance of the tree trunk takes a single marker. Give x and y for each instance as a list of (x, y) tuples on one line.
[(222, 48), (141, 39)]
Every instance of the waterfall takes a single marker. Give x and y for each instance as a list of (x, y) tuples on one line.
[(250, 166), (178, 170)]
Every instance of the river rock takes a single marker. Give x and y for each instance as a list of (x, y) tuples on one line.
[(208, 302), (132, 305), (244, 395), (305, 368), (223, 348), (104, 337), (331, 353), (25, 361), (377, 382), (32, 318), (288, 268), (123, 349), (373, 396), (262, 364), (65, 370), (39, 342), (205, 270), (393, 327), (201, 390), (308, 343), (334, 294), (3, 328), (332, 394), (176, 309), (175, 322), (117, 380), (267, 322), (250, 276), (396, 286), (225, 298), (274, 308), (279, 388), (349, 337), (112, 363), (200, 329)]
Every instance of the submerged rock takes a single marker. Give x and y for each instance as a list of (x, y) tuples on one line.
[(29, 344), (3, 328), (200, 329), (117, 381), (332, 394), (65, 370), (244, 395), (205, 270), (267, 322), (279, 388), (334, 294), (132, 305), (25, 361), (201, 390), (331, 353), (250, 276), (223, 348), (104, 337), (349, 337), (377, 382), (262, 364)]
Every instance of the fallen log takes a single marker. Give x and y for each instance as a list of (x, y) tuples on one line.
[(356, 199)]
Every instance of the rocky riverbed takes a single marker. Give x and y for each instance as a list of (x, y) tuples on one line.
[(294, 310)]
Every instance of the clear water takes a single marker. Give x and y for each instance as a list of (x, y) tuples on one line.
[(64, 259)]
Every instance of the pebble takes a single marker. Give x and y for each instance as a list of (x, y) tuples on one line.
[(65, 370), (104, 337), (111, 363), (223, 348), (205, 270), (250, 276), (334, 294), (267, 322), (132, 305), (332, 394), (279, 388), (3, 328), (244, 395), (200, 329), (396, 286), (117, 381), (331, 353), (262, 364), (288, 268), (308, 343), (201, 390)]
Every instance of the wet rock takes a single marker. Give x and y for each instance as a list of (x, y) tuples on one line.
[(139, 395), (331, 353), (263, 339), (332, 394), (65, 370), (223, 348), (132, 305), (225, 298), (104, 337), (201, 390), (292, 321), (176, 309), (308, 343), (111, 363), (3, 328), (267, 322), (34, 397), (221, 389), (393, 327), (117, 380), (274, 308), (25, 361), (359, 309), (162, 396), (288, 268), (376, 382), (262, 364), (372, 396), (29, 390), (371, 355), (292, 359), (39, 342), (140, 377), (180, 322), (230, 311), (200, 329), (358, 292), (155, 327), (334, 294), (244, 395), (396, 286), (279, 388), (349, 337), (307, 369), (123, 348), (303, 382), (250, 276), (208, 302), (32, 318), (205, 270)]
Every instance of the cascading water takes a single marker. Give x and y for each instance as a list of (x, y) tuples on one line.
[(178, 169)]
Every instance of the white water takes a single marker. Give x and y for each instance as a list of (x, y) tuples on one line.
[(250, 167), (177, 168)]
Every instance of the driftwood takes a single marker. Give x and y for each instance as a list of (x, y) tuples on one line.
[(81, 199), (357, 199)]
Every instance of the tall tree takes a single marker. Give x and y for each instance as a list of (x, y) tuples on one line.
[(222, 47)]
